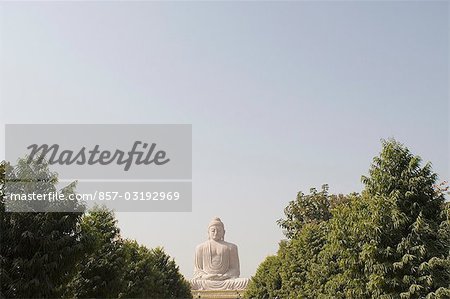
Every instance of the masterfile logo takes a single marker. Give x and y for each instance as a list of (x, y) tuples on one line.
[(125, 167), (91, 157), (102, 152)]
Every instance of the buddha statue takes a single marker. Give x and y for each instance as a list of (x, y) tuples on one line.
[(217, 262)]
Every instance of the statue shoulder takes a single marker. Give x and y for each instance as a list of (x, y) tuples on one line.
[(230, 245), (201, 246)]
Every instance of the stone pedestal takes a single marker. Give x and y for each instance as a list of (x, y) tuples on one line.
[(212, 294)]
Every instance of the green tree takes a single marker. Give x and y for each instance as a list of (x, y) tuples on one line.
[(170, 282), (408, 255), (307, 208), (152, 274), (116, 268), (56, 254), (340, 270), (392, 241), (140, 277), (100, 272), (38, 250), (266, 283), (443, 265), (294, 272), (299, 259)]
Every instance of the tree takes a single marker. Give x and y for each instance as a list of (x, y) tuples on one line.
[(38, 250), (100, 272), (293, 272), (152, 274), (139, 277), (116, 268), (340, 270), (389, 243), (267, 281), (71, 254), (171, 284), (408, 257), (392, 241), (309, 208)]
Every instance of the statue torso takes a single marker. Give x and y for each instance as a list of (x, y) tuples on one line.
[(215, 256)]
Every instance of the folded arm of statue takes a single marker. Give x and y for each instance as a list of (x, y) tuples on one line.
[(216, 277), (227, 276), (200, 274)]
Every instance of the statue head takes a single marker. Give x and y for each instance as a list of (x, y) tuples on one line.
[(216, 229)]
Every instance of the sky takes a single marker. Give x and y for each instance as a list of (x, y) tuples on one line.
[(282, 96)]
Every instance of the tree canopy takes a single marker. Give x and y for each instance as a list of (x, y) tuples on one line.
[(75, 254), (390, 241)]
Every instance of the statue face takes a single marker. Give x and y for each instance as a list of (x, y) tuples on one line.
[(216, 232)]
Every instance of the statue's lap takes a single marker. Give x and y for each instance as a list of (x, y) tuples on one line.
[(229, 284)]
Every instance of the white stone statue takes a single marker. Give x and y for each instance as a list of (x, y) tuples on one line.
[(217, 262)]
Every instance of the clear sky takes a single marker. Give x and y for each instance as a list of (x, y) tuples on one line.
[(282, 96)]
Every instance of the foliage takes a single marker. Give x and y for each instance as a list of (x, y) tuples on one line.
[(392, 241), (170, 282), (99, 273), (407, 257), (152, 274), (38, 251), (309, 208), (71, 254), (118, 268), (267, 281)]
